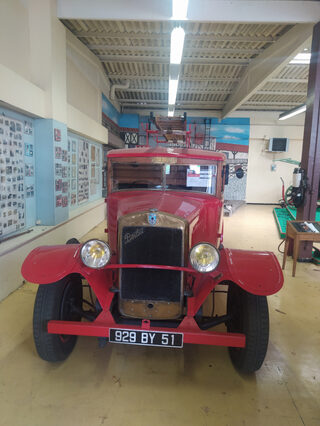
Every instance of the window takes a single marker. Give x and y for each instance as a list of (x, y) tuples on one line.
[(191, 177), (137, 176)]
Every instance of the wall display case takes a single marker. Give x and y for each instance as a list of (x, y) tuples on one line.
[(85, 170), (61, 172), (13, 189)]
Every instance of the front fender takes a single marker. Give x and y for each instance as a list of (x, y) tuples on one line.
[(48, 264), (257, 272)]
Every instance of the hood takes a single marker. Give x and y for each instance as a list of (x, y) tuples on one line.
[(202, 211)]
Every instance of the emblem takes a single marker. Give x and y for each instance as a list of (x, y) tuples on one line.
[(152, 217)]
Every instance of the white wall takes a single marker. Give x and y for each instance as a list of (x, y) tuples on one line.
[(15, 37), (264, 185), (81, 94), (46, 71)]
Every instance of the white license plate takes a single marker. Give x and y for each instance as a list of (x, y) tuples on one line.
[(146, 338)]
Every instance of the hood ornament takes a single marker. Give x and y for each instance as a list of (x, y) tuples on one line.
[(152, 217)]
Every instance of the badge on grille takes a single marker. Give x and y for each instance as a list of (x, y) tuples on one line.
[(152, 218)]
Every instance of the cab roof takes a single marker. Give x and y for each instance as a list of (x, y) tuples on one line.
[(167, 152)]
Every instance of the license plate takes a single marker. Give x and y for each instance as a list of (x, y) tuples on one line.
[(146, 338)]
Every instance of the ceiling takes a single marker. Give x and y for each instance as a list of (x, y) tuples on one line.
[(217, 59)]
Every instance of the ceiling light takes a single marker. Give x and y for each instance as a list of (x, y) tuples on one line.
[(293, 112), (173, 87), (170, 113), (301, 58), (176, 46), (179, 9)]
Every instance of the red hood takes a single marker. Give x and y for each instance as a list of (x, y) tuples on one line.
[(202, 211)]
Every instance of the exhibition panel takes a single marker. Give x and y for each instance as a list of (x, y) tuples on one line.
[(44, 172), (17, 178)]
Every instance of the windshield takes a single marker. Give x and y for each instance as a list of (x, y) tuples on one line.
[(191, 177)]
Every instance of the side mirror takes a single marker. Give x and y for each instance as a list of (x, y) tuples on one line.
[(226, 177)]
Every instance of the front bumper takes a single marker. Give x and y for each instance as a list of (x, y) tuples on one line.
[(188, 326)]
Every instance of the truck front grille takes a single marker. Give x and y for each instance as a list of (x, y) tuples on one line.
[(151, 245)]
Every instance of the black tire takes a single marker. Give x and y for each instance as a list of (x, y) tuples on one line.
[(250, 316), (53, 303), (73, 241)]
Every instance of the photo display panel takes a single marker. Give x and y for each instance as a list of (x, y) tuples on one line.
[(12, 171), (85, 174), (62, 171), (83, 171), (72, 155)]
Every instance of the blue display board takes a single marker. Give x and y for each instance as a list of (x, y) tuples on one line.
[(50, 140)]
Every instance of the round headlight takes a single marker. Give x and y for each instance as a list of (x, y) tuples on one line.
[(204, 257), (95, 254)]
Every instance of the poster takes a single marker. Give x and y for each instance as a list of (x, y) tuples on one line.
[(198, 177), (12, 171)]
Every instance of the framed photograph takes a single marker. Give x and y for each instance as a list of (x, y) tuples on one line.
[(28, 127), (29, 191), (29, 169), (93, 153), (64, 155), (73, 184), (64, 201), (57, 135), (58, 184), (58, 169), (65, 187), (58, 152), (28, 150), (64, 170), (98, 156), (58, 200)]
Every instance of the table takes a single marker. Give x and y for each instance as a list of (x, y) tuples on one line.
[(296, 236)]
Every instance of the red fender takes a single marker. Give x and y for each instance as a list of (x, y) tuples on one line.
[(48, 264), (257, 272)]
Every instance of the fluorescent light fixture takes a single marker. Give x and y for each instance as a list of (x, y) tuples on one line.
[(293, 112), (173, 87), (170, 113), (179, 9), (301, 58), (176, 46)]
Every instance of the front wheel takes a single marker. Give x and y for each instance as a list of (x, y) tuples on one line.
[(57, 301), (250, 316)]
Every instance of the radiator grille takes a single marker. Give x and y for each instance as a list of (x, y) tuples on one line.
[(151, 245)]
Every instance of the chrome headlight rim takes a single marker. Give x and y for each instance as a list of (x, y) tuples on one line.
[(107, 250), (208, 244)]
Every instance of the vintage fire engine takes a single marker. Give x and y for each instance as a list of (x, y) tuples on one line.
[(162, 259)]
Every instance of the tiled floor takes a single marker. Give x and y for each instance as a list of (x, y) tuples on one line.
[(127, 385)]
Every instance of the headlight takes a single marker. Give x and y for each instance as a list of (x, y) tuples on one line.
[(95, 254), (204, 257)]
